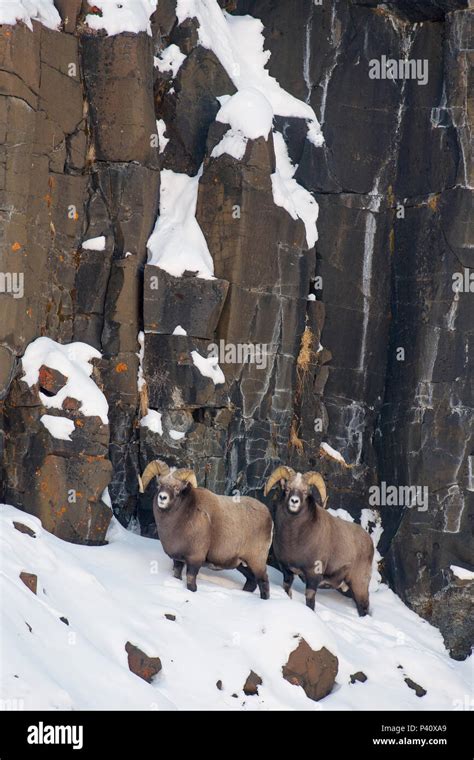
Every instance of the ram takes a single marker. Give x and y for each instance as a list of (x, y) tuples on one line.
[(196, 527), (321, 548)]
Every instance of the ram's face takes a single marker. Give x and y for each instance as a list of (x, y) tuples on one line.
[(169, 492), (295, 494)]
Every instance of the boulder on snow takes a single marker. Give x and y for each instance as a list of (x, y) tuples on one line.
[(141, 664), (314, 670), (30, 580), (252, 683)]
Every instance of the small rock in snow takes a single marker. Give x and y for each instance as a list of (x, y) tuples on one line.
[(359, 676), (252, 683), (24, 529), (141, 664), (30, 580), (419, 690)]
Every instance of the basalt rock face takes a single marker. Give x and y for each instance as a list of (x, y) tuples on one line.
[(81, 159), (393, 182)]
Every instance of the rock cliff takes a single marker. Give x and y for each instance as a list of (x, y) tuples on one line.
[(358, 340)]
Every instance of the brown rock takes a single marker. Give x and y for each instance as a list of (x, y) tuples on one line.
[(30, 580), (252, 683), (139, 663), (314, 671), (50, 380), (24, 529), (71, 404)]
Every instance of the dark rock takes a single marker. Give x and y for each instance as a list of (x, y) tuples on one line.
[(64, 620), (191, 302), (219, 685), (118, 76), (191, 109), (315, 671), (30, 580), (419, 690), (359, 676), (24, 529), (141, 664), (252, 683), (169, 616)]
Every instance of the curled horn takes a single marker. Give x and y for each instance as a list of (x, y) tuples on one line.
[(316, 479), (281, 473), (187, 476), (152, 470)]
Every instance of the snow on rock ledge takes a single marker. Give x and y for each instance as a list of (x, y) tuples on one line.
[(249, 115), (123, 16), (72, 361), (288, 194), (177, 243), (43, 11)]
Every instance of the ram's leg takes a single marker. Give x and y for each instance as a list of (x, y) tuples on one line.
[(360, 593), (312, 582), (264, 586), (251, 581), (178, 569), (192, 569), (288, 578), (259, 570)]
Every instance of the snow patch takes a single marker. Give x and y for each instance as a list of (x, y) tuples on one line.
[(152, 421), (162, 140), (106, 497), (178, 330), (122, 16), (73, 361), (247, 112), (94, 244), (177, 242), (238, 43), (59, 427), (44, 11), (176, 435), (208, 367), (288, 194), (141, 382), (333, 453), (170, 59), (462, 572)]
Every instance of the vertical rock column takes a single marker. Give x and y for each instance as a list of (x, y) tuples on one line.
[(122, 206)]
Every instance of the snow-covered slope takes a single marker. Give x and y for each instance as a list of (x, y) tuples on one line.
[(121, 592)]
